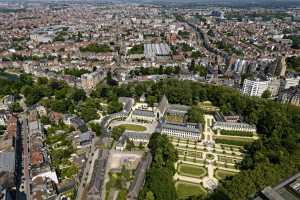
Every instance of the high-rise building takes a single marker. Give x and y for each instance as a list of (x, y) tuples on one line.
[(254, 87), (290, 82), (274, 86)]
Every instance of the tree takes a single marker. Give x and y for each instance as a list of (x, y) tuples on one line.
[(88, 113), (114, 106), (117, 132), (96, 128), (159, 178), (195, 115), (78, 95), (15, 107), (89, 109), (150, 196), (266, 94), (130, 145)]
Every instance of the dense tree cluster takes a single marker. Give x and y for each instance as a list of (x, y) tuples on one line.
[(142, 71), (96, 128), (185, 47), (96, 48), (228, 48), (117, 132), (159, 178), (293, 63), (295, 41), (195, 115), (136, 49), (54, 94), (75, 72), (184, 34), (198, 69)]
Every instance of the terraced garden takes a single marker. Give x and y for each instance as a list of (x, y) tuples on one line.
[(191, 170)]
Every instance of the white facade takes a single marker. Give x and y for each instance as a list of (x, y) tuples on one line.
[(255, 88), (291, 82), (181, 131), (234, 126)]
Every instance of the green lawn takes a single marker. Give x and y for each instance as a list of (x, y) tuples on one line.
[(222, 174), (191, 170), (133, 127), (185, 190), (233, 141)]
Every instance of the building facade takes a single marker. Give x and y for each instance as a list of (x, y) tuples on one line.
[(254, 87), (190, 131)]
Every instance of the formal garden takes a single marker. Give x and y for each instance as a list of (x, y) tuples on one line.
[(191, 170)]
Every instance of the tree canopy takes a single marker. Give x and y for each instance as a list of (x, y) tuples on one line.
[(159, 178)]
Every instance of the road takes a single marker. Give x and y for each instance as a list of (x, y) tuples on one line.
[(26, 156)]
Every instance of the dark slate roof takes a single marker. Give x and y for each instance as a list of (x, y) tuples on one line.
[(190, 127), (136, 135), (145, 113), (86, 136), (127, 103), (163, 104), (139, 177), (97, 181)]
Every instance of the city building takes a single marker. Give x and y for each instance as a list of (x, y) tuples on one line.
[(190, 131), (234, 126), (291, 95), (143, 116), (254, 87), (156, 50), (288, 189), (89, 81), (290, 82)]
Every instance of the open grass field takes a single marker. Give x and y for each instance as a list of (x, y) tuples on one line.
[(233, 141), (222, 174), (233, 138), (185, 190), (133, 127), (191, 170)]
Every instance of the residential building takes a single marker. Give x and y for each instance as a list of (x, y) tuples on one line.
[(290, 82), (89, 81), (291, 95), (274, 86), (254, 87)]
